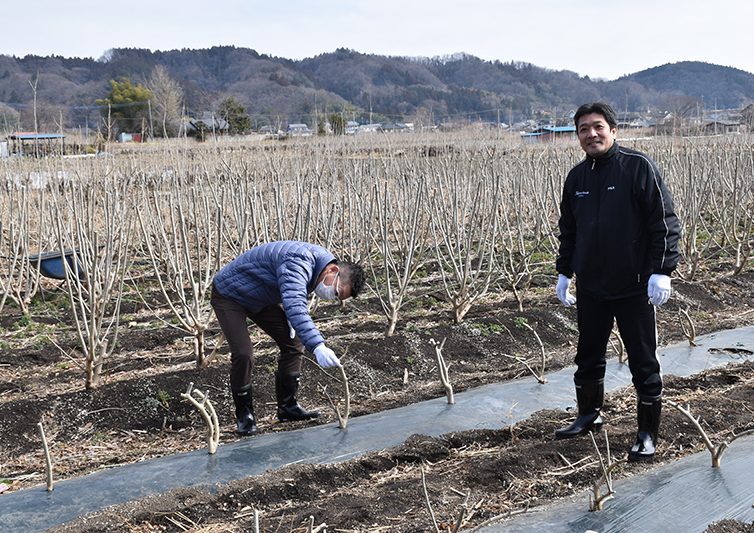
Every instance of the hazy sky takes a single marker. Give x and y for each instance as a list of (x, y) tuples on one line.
[(600, 39)]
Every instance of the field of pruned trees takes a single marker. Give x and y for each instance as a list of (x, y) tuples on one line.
[(472, 215), (457, 233)]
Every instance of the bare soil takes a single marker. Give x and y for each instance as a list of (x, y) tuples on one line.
[(137, 412)]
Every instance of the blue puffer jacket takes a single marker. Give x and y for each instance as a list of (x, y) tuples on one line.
[(277, 272)]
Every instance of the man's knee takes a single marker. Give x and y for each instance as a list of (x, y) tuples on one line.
[(290, 360), (649, 387), (590, 371)]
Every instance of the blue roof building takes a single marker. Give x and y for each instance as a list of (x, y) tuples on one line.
[(36, 144), (550, 133)]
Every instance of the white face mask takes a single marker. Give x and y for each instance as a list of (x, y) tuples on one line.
[(327, 292)]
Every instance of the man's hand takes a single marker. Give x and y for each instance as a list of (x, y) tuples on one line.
[(658, 289), (325, 356), (561, 289)]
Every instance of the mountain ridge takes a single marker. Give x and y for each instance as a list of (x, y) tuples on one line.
[(443, 88)]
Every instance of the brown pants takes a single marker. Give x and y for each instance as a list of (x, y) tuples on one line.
[(232, 318)]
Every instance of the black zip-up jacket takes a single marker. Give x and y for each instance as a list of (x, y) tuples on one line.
[(617, 224)]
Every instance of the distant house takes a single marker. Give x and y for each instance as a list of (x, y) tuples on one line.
[(392, 127), (719, 127), (549, 134), (747, 115), (299, 130), (36, 144), (270, 131), (631, 120), (368, 128)]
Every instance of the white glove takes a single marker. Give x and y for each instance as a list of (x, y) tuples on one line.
[(292, 332), (325, 356), (658, 289), (561, 289)]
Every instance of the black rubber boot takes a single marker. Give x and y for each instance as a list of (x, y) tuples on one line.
[(648, 418), (589, 397), (245, 423), (289, 410)]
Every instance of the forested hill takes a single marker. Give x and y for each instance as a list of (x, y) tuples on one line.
[(722, 87), (392, 88)]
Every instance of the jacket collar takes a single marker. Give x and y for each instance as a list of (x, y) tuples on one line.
[(604, 157)]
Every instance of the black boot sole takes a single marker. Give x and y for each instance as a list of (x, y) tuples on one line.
[(246, 432), (594, 428), (636, 458), (292, 419)]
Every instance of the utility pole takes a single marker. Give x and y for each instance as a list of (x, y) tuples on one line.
[(34, 92), (510, 117), (151, 126)]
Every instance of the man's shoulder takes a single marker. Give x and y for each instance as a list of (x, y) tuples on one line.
[(290, 251), (631, 153), (283, 248)]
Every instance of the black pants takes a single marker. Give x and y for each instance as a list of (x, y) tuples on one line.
[(636, 322), (232, 318)]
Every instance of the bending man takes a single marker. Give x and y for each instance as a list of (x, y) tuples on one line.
[(270, 284)]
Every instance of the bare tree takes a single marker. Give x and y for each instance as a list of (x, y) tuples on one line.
[(246, 210), (427, 501), (94, 223), (525, 223), (167, 100), (693, 180), (715, 451), (401, 238), (464, 230), (357, 211), (442, 368), (182, 229), (735, 203), (48, 458), (681, 109), (540, 375), (342, 417), (687, 326), (597, 499), (9, 119), (24, 212), (201, 401)]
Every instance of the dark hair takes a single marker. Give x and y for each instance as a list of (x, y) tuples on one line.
[(355, 274), (600, 108)]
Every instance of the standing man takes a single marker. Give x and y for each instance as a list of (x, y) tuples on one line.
[(619, 235), (269, 284)]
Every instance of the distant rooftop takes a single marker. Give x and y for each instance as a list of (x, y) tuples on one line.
[(558, 129), (30, 136)]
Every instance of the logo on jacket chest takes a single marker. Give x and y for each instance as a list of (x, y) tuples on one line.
[(581, 194)]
